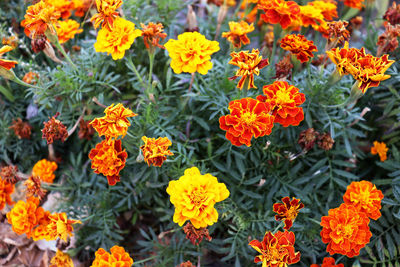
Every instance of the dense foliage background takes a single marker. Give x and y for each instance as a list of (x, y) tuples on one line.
[(136, 213)]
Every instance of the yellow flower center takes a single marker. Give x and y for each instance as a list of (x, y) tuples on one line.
[(249, 118), (283, 97), (292, 213), (273, 255), (345, 231), (197, 197)]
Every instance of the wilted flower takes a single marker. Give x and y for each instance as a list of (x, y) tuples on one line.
[(328, 262), (118, 257), (194, 196), (6, 189), (238, 33), (249, 117), (45, 169), (355, 23), (283, 68), (33, 187), (86, 131), (115, 123), (31, 77), (279, 11), (61, 259), (152, 33), (365, 197), (60, 226), (6, 64), (358, 4), (392, 15), (54, 130), (381, 149), (10, 174), (196, 235), (66, 30), (116, 40), (109, 159), (249, 64), (338, 32), (325, 141), (387, 41), (299, 46), (191, 53), (307, 138), (39, 43), (285, 100), (287, 211), (276, 249), (155, 151), (21, 129), (106, 13), (345, 230)]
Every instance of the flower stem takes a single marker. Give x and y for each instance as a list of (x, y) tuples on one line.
[(145, 260), (281, 224), (130, 63), (191, 82), (151, 58), (17, 80)]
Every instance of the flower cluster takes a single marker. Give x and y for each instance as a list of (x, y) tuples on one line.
[(44, 170), (54, 129), (6, 189), (155, 151), (238, 33), (118, 257), (287, 211), (299, 46), (381, 149)]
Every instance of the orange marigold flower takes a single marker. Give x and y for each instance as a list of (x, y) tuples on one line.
[(82, 6), (196, 235), (86, 130), (115, 122), (186, 264), (194, 196), (6, 64), (276, 249), (279, 11), (238, 33), (61, 259), (33, 187), (249, 117), (11, 41), (54, 129), (338, 32), (346, 230), (299, 46), (191, 53), (118, 257), (60, 227), (6, 189), (31, 77), (288, 211), (358, 4), (21, 129), (38, 18), (155, 151), (66, 30), (365, 197), (62, 6), (328, 262), (152, 33), (109, 159), (221, 2), (45, 169), (285, 100), (106, 13), (10, 174), (249, 64), (381, 149), (328, 9)]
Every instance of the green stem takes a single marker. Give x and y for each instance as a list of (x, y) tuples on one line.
[(151, 58), (145, 260), (61, 49), (17, 80), (130, 63), (281, 224)]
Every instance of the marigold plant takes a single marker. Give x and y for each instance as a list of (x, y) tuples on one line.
[(61, 259), (194, 196), (299, 46), (21, 128), (328, 262), (152, 34), (118, 257), (6, 189), (107, 13), (279, 11), (381, 149), (155, 151), (54, 129), (67, 29), (287, 211), (238, 33), (4, 63), (45, 169), (358, 4)]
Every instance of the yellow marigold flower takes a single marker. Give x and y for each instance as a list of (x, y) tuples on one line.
[(118, 39), (45, 169), (6, 64), (155, 151), (60, 226), (381, 149), (107, 13), (249, 64), (358, 4), (38, 18), (328, 9), (61, 259), (191, 53), (194, 196), (118, 257), (115, 122), (238, 33), (298, 45), (62, 6), (6, 189), (310, 15), (66, 30)]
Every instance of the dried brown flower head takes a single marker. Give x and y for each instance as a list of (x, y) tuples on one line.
[(86, 130), (387, 41), (54, 130), (38, 44), (338, 32), (21, 129), (196, 235), (307, 138), (9, 173), (284, 68), (325, 141), (392, 15), (33, 188)]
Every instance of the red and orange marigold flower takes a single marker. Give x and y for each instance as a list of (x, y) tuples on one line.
[(249, 117), (328, 262), (45, 169), (238, 33), (6, 189), (345, 230), (299, 46), (4, 63), (381, 149), (279, 11), (249, 64), (106, 13), (365, 197), (287, 211), (61, 259), (285, 100), (66, 30), (328, 9), (54, 129), (155, 151), (118, 257), (277, 250), (358, 4), (152, 34)]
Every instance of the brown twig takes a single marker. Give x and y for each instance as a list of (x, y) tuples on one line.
[(52, 154), (191, 82), (95, 100), (72, 130)]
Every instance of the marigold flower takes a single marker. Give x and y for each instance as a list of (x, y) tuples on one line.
[(62, 6), (311, 16), (33, 187), (109, 159), (249, 117), (392, 15), (338, 32), (249, 64), (118, 257), (38, 18), (358, 4), (39, 44), (45, 169), (6, 189), (283, 68), (196, 235), (61, 259), (21, 129), (238, 33), (285, 100), (186, 264), (115, 122), (287, 211), (82, 6), (381, 149), (11, 41), (307, 138), (325, 141), (328, 262), (387, 41), (31, 77), (221, 2), (54, 129), (345, 230), (194, 196), (66, 30), (86, 130), (106, 13), (365, 197), (60, 227), (276, 249), (6, 64), (155, 151), (10, 174), (279, 11), (118, 39), (328, 9), (299, 46), (152, 33), (191, 53)]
